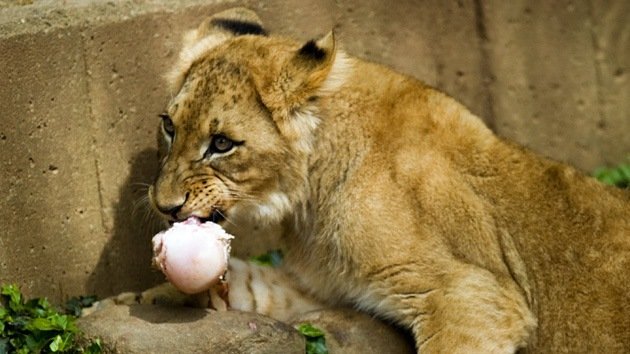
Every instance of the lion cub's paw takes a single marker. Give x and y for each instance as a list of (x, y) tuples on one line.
[(126, 298), (165, 294), (97, 305)]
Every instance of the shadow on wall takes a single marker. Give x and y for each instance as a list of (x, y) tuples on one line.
[(125, 262)]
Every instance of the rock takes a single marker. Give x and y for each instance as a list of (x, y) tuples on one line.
[(351, 332), (169, 329), (162, 329)]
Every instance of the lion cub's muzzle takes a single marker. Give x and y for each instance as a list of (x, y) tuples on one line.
[(176, 210)]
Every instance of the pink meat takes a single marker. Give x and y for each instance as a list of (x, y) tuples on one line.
[(192, 255)]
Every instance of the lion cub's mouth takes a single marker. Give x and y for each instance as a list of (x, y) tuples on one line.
[(217, 216)]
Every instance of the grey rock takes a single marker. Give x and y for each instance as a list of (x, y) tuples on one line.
[(161, 329)]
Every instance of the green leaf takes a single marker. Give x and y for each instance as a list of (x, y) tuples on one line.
[(316, 346), (272, 258), (39, 307), (94, 347), (35, 341), (315, 341), (62, 322), (617, 176), (3, 318), (12, 293), (55, 322), (607, 179), (56, 344), (625, 171), (20, 322), (309, 330), (40, 324), (23, 350), (61, 342)]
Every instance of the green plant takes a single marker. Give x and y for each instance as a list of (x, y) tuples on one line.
[(615, 176), (35, 326), (272, 258), (315, 340)]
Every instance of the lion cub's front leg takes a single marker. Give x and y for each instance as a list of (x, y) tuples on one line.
[(248, 287), (478, 313), (467, 310)]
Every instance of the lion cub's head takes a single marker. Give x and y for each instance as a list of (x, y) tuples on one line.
[(241, 126)]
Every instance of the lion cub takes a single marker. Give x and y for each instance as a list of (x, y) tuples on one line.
[(391, 197)]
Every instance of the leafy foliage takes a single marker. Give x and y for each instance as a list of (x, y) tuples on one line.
[(34, 326), (272, 258), (615, 176), (315, 340)]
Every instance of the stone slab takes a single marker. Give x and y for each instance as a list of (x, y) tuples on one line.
[(145, 329)]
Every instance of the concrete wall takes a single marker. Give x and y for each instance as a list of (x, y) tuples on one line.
[(80, 90)]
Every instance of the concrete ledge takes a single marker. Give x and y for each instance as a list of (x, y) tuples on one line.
[(24, 17)]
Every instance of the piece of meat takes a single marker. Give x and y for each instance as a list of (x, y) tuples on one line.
[(192, 255)]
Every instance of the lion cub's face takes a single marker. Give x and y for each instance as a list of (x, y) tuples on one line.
[(240, 128), (223, 146)]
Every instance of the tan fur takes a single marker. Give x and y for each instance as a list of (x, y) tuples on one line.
[(395, 199)]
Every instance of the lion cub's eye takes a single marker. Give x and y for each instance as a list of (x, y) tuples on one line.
[(220, 144), (167, 125)]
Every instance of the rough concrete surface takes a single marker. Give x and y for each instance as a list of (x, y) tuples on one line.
[(549, 101), (81, 87), (145, 329)]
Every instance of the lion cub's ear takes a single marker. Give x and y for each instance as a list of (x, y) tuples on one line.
[(233, 22), (310, 67), (213, 31), (301, 78)]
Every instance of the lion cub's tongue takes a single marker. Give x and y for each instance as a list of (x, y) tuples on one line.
[(192, 255)]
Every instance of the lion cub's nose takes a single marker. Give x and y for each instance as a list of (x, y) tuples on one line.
[(171, 209)]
